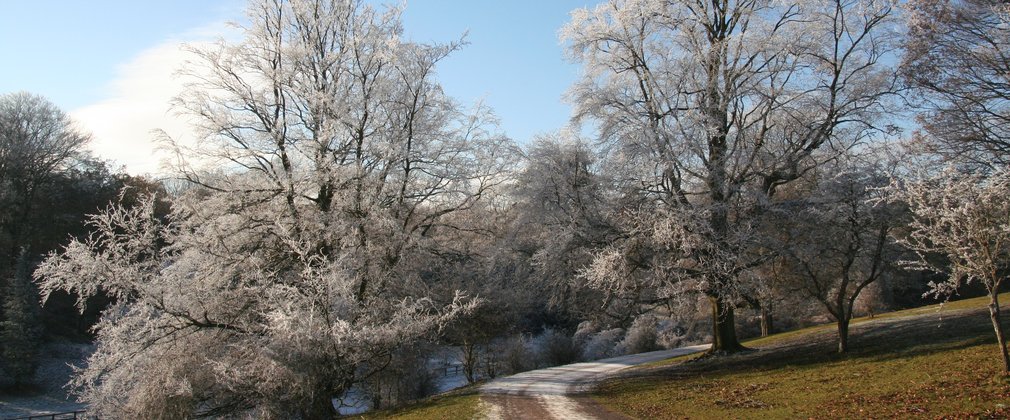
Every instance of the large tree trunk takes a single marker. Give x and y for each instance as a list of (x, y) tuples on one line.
[(843, 334), (723, 327), (320, 407), (997, 325)]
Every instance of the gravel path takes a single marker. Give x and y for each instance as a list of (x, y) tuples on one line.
[(553, 393)]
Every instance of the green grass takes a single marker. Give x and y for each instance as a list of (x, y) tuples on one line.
[(939, 309), (455, 405), (961, 381), (931, 364)]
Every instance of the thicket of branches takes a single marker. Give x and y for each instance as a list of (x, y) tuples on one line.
[(48, 184), (341, 214)]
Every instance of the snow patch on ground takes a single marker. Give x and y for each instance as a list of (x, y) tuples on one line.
[(53, 374), (488, 411), (443, 364), (562, 407)]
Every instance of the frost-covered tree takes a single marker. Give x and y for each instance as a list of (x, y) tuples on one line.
[(561, 217), (294, 270), (837, 239), (710, 106), (37, 142), (961, 226), (956, 58)]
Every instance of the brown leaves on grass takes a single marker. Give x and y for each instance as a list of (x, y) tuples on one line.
[(907, 367), (966, 389), (741, 397)]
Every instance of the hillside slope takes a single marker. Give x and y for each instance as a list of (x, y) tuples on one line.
[(921, 363)]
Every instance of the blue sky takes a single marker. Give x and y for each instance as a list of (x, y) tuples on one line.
[(109, 62), (69, 51)]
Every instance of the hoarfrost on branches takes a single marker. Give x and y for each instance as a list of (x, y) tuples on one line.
[(961, 226), (709, 107), (288, 274), (955, 61)]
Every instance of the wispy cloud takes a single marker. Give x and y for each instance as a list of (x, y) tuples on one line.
[(139, 103)]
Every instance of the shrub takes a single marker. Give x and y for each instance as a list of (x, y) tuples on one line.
[(516, 355), (556, 348), (602, 344), (641, 336)]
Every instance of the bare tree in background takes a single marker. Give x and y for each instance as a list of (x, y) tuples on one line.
[(37, 140), (712, 105), (291, 272)]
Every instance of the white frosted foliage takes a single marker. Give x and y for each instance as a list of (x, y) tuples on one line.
[(286, 272)]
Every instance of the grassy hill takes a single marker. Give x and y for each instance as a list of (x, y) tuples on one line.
[(462, 403), (918, 363)]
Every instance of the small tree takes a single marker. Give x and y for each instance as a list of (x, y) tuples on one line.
[(473, 332), (765, 292), (964, 218), (838, 241), (20, 332)]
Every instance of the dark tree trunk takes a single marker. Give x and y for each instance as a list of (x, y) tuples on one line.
[(320, 407), (724, 338), (843, 334), (469, 361), (997, 325)]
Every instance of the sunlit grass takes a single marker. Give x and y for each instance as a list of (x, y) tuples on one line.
[(960, 381), (451, 406), (939, 369), (939, 309), (947, 366)]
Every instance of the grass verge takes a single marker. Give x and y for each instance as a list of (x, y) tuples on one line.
[(918, 363), (454, 405)]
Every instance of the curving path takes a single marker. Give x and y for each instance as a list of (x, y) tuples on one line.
[(549, 393)]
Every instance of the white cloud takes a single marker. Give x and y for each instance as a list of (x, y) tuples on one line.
[(139, 102)]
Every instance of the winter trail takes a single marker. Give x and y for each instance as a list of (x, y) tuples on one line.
[(550, 393)]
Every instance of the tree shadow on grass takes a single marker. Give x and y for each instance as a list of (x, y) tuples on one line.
[(875, 340)]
